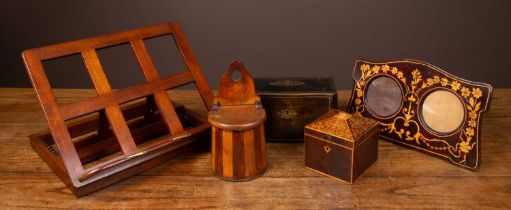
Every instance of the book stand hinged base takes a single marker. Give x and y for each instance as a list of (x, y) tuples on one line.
[(96, 148)]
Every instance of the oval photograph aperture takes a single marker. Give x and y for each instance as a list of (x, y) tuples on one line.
[(443, 111), (383, 97)]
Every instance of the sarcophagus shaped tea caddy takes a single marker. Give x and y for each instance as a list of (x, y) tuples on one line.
[(341, 145)]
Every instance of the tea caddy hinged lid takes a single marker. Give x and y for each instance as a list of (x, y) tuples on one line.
[(341, 126)]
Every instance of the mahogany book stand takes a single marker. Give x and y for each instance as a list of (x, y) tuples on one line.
[(91, 151)]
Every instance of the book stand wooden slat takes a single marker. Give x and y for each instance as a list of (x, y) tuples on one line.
[(118, 142)]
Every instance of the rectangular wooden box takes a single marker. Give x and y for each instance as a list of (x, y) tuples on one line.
[(292, 103), (341, 145)]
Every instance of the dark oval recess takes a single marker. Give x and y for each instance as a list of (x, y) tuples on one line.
[(383, 97)]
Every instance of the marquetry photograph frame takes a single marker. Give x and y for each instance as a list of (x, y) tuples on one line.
[(404, 119)]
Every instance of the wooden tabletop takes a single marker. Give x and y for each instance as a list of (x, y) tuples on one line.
[(400, 178)]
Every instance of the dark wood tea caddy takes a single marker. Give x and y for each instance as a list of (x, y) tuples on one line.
[(341, 145), (291, 103)]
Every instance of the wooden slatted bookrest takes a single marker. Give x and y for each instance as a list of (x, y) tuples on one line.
[(116, 135)]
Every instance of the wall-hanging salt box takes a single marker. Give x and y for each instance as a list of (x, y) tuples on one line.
[(238, 149), (341, 145), (292, 103)]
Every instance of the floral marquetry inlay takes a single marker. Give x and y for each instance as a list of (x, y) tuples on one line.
[(418, 80), (343, 125)]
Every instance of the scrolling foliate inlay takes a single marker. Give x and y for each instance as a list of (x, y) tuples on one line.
[(418, 79), (343, 125)]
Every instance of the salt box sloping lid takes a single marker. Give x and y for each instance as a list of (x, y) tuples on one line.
[(343, 125)]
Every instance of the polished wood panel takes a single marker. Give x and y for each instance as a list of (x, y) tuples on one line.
[(160, 97), (68, 48), (112, 111), (243, 154), (58, 148), (93, 103), (236, 91), (400, 178)]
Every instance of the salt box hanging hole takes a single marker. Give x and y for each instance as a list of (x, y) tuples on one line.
[(236, 76)]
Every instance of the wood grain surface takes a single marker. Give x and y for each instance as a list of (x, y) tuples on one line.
[(400, 178)]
